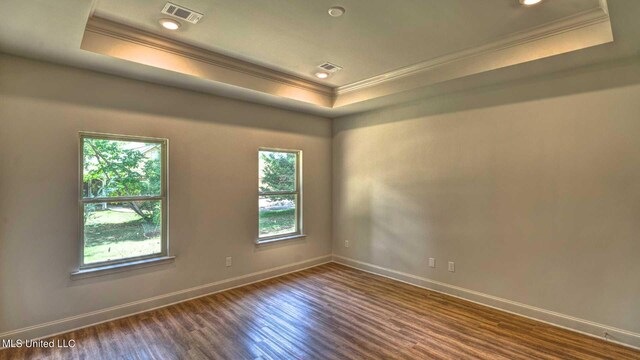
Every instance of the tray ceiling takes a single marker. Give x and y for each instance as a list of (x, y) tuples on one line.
[(267, 51), (373, 36)]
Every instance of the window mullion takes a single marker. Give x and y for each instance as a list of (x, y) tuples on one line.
[(121, 199), (264, 193)]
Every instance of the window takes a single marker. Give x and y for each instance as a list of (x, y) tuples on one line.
[(279, 194), (123, 199)]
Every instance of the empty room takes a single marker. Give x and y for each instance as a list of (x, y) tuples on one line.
[(315, 179)]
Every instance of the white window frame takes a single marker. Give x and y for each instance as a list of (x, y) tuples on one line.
[(298, 232), (163, 198)]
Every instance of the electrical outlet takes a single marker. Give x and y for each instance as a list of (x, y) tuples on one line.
[(432, 262), (452, 266), (228, 261), (346, 243)]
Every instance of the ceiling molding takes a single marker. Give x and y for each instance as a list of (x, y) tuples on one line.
[(103, 49), (581, 30), (594, 16), (125, 42)]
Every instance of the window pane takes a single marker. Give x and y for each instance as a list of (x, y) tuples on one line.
[(113, 168), (277, 171), (277, 215), (120, 230)]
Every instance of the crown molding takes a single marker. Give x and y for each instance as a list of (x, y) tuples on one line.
[(581, 20), (578, 31), (121, 41)]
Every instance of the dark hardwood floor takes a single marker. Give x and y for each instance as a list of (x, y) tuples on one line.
[(327, 312)]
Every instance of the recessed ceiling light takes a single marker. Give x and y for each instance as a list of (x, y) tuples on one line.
[(336, 11), (169, 24), (530, 2), (322, 75)]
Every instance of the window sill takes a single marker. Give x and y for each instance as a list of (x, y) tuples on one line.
[(284, 238), (116, 268)]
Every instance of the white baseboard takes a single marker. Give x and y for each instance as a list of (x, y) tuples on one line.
[(72, 323), (586, 327), (619, 336)]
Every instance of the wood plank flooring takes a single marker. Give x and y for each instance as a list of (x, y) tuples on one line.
[(327, 312)]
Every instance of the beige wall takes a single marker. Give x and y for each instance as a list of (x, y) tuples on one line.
[(213, 186), (532, 188)]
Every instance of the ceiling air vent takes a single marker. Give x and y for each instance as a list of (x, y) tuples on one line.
[(330, 67), (182, 13)]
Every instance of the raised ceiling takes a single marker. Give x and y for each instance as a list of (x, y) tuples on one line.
[(373, 36), (266, 51)]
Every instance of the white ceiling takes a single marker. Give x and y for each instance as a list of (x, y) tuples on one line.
[(371, 38), (53, 31)]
